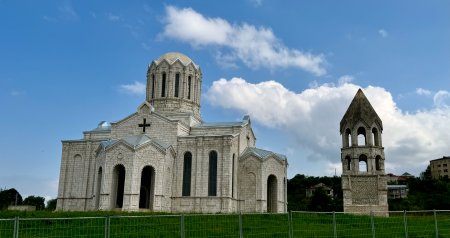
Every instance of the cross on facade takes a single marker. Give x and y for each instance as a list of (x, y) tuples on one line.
[(144, 125)]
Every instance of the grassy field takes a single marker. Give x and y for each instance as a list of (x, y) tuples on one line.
[(95, 224)]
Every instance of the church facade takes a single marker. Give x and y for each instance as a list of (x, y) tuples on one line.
[(163, 157)]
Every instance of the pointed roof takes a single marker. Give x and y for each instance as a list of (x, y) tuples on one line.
[(360, 109), (261, 154)]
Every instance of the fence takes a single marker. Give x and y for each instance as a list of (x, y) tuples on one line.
[(292, 224)]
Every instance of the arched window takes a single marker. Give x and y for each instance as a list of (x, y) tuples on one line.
[(378, 162), (212, 179), (348, 138), (177, 84), (187, 168), (362, 136), (99, 186), (153, 86), (189, 87), (363, 164), (163, 85), (376, 138), (232, 177), (348, 163)]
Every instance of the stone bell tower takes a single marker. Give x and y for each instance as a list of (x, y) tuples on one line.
[(364, 182)]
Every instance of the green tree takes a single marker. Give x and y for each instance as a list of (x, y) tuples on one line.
[(51, 205), (35, 201), (9, 197), (320, 201)]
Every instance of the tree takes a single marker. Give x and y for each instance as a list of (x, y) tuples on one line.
[(426, 175), (320, 201), (35, 201), (51, 204), (9, 197)]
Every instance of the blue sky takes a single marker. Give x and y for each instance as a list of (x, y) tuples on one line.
[(293, 66)]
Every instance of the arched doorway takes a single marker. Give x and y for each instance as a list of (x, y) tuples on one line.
[(272, 198), (147, 188), (99, 186), (118, 185)]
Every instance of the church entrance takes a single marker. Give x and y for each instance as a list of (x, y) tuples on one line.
[(147, 188), (118, 185), (272, 193)]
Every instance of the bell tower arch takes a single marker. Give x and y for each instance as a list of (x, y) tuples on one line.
[(364, 182)]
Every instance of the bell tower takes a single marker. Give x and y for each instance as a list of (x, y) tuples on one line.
[(174, 84), (364, 182)]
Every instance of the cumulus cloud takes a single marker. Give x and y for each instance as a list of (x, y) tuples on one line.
[(136, 88), (255, 46), (383, 33), (423, 92), (312, 117)]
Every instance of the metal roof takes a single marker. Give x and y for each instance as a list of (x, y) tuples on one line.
[(262, 154)]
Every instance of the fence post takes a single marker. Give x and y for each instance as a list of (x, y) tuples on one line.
[(182, 233), (435, 224), (291, 233), (373, 224), (241, 233), (405, 223), (16, 227), (334, 225), (107, 224)]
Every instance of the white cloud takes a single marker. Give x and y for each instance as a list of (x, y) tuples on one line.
[(256, 3), (255, 46), (67, 12), (345, 79), (442, 99), (423, 92), (383, 33), (136, 88), (313, 115), (112, 17)]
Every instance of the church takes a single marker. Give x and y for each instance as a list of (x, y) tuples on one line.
[(165, 158)]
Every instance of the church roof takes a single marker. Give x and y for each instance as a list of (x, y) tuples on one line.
[(262, 154), (103, 126), (135, 141), (172, 57), (360, 109)]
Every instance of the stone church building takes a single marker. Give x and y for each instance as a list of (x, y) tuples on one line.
[(163, 157)]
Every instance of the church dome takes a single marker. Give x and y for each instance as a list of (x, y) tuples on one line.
[(171, 57)]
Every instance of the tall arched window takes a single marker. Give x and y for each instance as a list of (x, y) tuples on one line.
[(177, 84), (163, 85), (99, 186), (118, 186), (212, 179), (153, 86), (348, 138), (189, 87), (187, 168), (232, 177), (362, 140), (348, 162), (363, 168), (376, 141), (378, 162)]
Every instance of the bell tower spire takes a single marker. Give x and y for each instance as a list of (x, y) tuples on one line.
[(364, 182)]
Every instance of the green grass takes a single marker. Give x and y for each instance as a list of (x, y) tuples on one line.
[(121, 224)]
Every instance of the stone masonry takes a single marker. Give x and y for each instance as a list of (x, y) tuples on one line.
[(163, 157)]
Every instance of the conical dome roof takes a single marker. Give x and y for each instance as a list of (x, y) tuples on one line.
[(360, 109), (172, 57)]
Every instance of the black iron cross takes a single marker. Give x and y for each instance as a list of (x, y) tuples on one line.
[(144, 125)]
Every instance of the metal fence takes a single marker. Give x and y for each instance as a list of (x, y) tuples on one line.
[(293, 224)]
